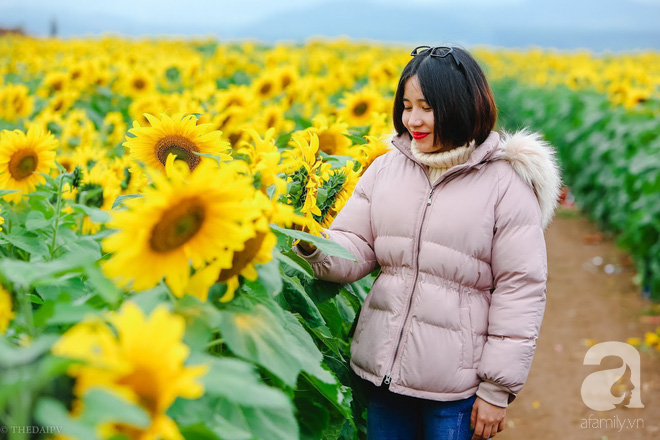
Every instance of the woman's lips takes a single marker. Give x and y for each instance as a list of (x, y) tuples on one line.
[(419, 135)]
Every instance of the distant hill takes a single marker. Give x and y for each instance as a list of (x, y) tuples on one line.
[(564, 24)]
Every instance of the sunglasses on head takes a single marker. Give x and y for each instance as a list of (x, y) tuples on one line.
[(436, 51)]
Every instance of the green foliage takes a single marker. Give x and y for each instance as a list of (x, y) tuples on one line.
[(610, 158)]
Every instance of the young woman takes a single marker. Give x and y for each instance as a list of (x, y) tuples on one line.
[(454, 216)]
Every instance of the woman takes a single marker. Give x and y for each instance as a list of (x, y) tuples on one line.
[(454, 217)]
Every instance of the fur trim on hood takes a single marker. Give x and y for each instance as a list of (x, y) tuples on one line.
[(533, 159)]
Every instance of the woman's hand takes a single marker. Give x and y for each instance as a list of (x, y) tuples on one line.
[(487, 419), (307, 248)]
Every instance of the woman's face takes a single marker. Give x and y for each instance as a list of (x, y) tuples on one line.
[(418, 116)]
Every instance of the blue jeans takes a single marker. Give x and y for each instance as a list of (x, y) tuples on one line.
[(392, 416)]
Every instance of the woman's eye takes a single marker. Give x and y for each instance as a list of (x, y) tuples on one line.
[(407, 108), (427, 109)]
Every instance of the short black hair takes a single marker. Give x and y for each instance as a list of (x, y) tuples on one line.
[(462, 101)]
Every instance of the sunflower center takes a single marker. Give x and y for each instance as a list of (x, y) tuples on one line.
[(360, 109), (142, 381), (139, 84), (177, 225), (23, 163), (265, 89), (328, 143), (183, 148), (243, 258), (286, 80)]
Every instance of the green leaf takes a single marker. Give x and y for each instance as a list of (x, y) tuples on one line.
[(356, 139), (290, 259), (101, 285), (35, 246), (100, 407), (263, 423), (35, 220), (96, 215), (11, 356), (260, 337), (121, 199), (300, 302), (50, 412), (239, 382), (326, 246)]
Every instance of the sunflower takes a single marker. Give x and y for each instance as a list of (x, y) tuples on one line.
[(54, 82), (179, 135), (141, 359), (307, 173), (263, 158), (208, 215), (360, 106), (152, 103), (265, 87), (23, 157), (15, 102), (258, 250), (367, 153), (272, 116), (137, 82), (98, 189), (347, 178), (332, 139), (6, 312), (114, 127)]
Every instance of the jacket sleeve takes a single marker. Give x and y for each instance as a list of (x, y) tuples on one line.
[(351, 229), (519, 264)]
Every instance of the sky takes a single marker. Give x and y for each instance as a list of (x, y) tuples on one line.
[(566, 24)]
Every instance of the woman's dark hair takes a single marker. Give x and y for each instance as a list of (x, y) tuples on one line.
[(462, 101)]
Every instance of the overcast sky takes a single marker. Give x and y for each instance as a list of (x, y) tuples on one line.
[(595, 24)]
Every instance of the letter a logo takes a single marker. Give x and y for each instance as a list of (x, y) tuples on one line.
[(596, 387)]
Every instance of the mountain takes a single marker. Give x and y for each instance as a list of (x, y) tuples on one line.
[(564, 24)]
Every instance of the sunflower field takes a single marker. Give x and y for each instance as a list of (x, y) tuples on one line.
[(151, 191)]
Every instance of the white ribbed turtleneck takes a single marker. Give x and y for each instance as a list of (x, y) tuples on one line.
[(438, 163)]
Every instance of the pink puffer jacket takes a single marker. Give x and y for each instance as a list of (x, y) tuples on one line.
[(458, 304)]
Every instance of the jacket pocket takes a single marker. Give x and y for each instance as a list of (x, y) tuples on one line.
[(467, 348)]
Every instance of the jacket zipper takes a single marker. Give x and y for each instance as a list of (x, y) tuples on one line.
[(388, 376)]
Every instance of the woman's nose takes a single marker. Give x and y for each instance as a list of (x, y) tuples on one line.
[(415, 121)]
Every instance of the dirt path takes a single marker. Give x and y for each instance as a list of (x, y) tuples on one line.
[(584, 303)]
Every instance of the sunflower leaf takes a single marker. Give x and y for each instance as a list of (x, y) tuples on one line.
[(121, 199), (326, 246)]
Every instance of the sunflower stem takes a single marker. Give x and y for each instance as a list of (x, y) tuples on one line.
[(58, 211), (26, 309)]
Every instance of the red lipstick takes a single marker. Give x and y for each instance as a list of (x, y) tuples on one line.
[(419, 134)]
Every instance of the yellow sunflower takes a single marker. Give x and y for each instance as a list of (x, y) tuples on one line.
[(98, 188), (350, 179), (360, 106), (317, 172), (15, 102), (208, 215), (23, 157), (367, 153), (6, 312), (332, 139), (142, 360), (258, 250), (263, 159), (179, 135)]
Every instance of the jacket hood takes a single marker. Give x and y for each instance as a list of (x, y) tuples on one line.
[(531, 157)]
